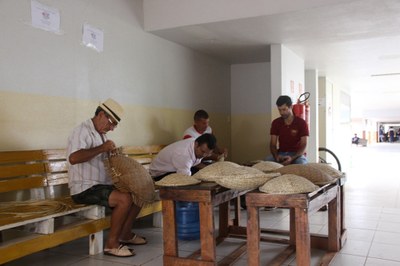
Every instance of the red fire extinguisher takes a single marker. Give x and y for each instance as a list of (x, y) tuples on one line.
[(301, 108)]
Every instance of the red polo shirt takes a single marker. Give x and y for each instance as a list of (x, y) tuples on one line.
[(289, 135)]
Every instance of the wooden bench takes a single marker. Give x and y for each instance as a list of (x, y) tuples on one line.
[(36, 211)]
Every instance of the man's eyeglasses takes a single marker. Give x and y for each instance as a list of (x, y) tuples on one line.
[(114, 124)]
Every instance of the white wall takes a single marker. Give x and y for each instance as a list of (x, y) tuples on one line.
[(287, 74), (311, 86), (250, 110), (51, 79), (136, 67), (162, 14), (250, 88), (293, 73)]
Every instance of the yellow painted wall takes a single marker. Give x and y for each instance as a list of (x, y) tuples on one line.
[(250, 135), (31, 121)]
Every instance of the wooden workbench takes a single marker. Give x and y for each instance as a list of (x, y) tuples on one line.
[(298, 237), (208, 195)]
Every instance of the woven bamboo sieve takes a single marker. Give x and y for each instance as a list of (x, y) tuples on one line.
[(175, 180), (288, 184)]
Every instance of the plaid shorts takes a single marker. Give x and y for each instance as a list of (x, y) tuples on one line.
[(98, 194)]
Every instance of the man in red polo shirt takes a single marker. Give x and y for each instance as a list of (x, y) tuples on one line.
[(288, 135)]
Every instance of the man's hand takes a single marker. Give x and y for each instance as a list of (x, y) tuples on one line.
[(109, 145), (285, 160), (85, 155)]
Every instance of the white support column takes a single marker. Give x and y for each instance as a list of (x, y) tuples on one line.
[(311, 86), (96, 243), (276, 77)]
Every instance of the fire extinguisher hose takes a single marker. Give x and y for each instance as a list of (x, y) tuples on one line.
[(306, 95)]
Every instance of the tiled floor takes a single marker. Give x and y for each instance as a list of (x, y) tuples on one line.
[(372, 221)]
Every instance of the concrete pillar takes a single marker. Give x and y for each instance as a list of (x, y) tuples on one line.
[(276, 78), (311, 86)]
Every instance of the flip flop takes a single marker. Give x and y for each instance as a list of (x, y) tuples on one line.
[(121, 251), (135, 240)]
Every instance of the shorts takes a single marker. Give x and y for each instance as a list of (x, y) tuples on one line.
[(98, 194)]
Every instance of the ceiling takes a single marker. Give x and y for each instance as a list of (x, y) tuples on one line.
[(355, 44)]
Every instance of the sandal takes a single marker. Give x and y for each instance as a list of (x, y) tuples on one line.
[(121, 251), (135, 240)]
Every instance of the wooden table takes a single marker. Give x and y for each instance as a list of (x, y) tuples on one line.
[(207, 195), (298, 237)]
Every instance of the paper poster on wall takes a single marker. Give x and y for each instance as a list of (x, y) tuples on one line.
[(93, 37), (291, 86), (45, 17)]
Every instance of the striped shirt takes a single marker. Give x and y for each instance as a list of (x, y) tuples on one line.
[(85, 175)]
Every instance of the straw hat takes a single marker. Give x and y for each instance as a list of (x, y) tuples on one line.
[(113, 109), (176, 180), (288, 184)]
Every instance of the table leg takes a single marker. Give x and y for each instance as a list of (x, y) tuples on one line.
[(223, 220), (292, 227), (334, 221), (303, 242), (169, 229), (342, 215), (253, 236), (236, 219), (207, 228)]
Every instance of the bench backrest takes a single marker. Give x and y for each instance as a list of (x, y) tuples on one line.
[(143, 154), (21, 170)]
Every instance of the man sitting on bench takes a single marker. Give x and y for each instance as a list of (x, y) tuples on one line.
[(89, 182)]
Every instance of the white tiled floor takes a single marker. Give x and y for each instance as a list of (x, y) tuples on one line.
[(372, 220)]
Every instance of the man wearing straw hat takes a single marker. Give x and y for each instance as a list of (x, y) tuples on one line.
[(89, 182)]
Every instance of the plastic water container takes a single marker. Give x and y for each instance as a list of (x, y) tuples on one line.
[(187, 220)]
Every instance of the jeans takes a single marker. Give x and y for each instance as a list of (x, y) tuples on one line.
[(301, 160)]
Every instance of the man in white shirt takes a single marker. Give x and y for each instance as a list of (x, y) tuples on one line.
[(201, 126), (89, 182), (181, 156)]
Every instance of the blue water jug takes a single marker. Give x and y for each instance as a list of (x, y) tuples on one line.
[(187, 220)]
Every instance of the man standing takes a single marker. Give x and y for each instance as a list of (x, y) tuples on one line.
[(90, 184), (181, 156), (288, 135)]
